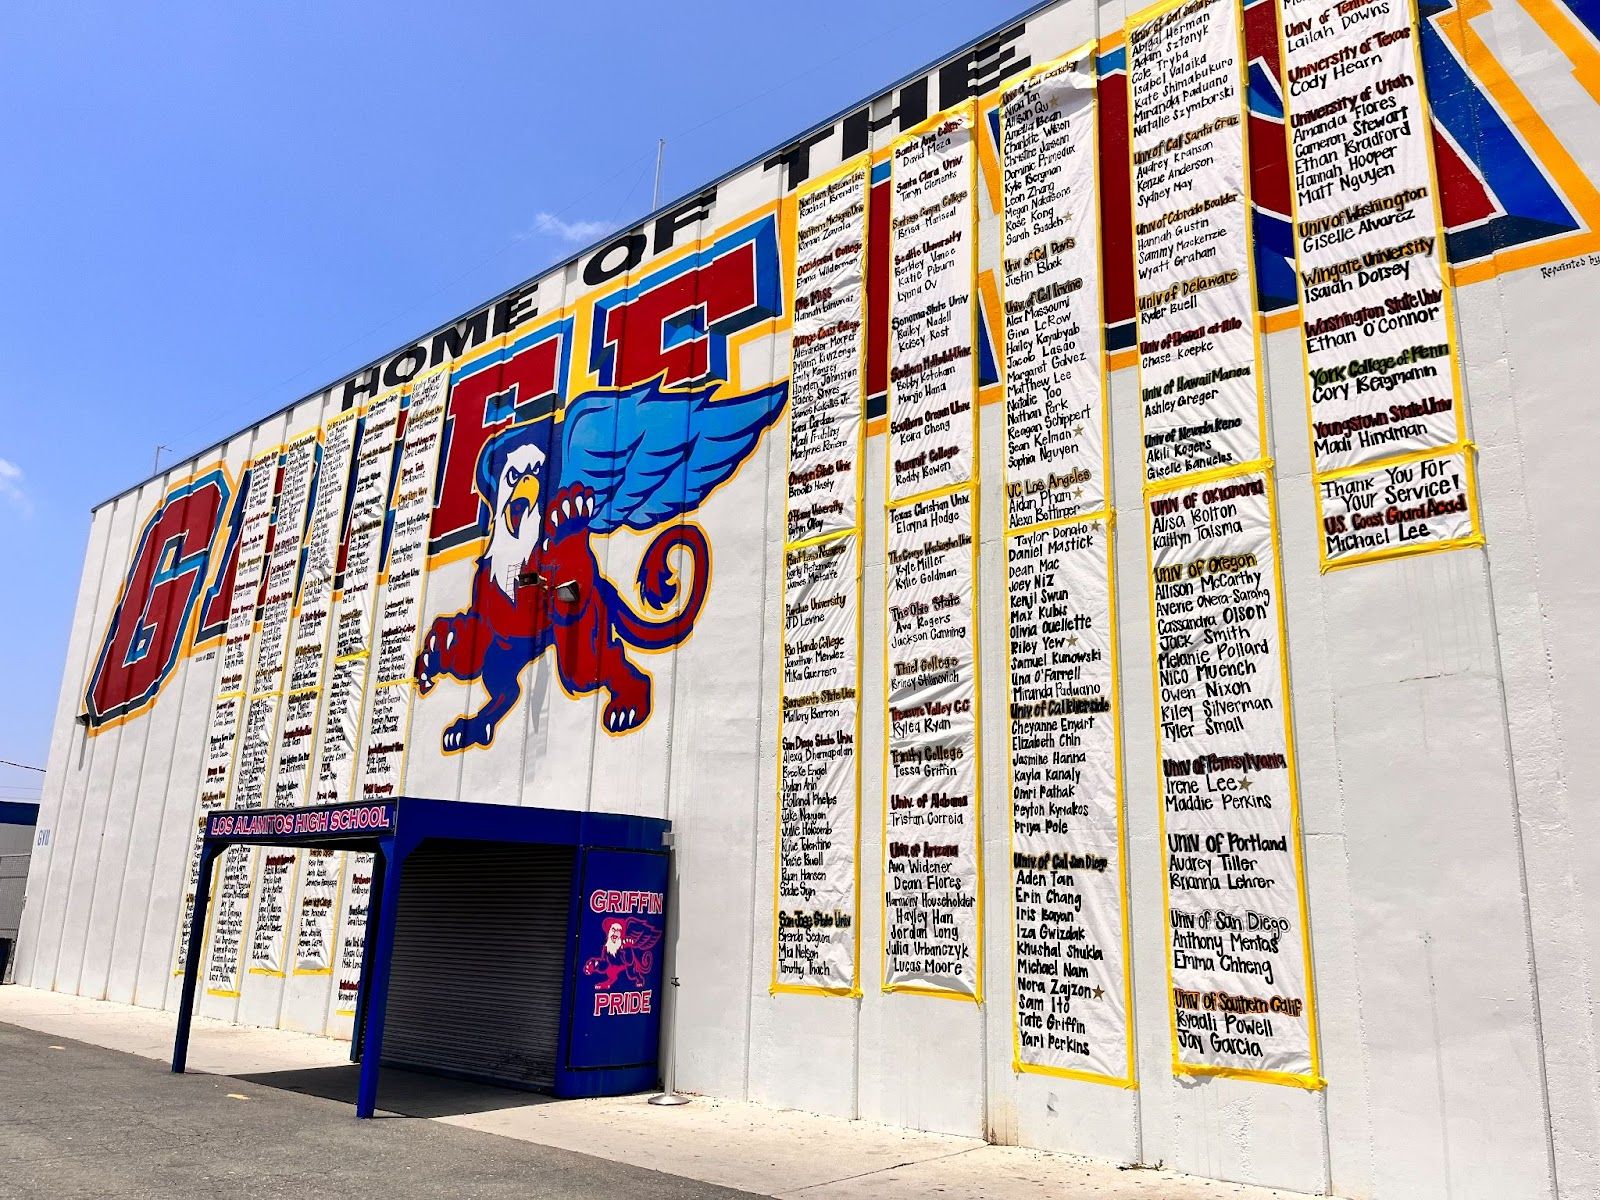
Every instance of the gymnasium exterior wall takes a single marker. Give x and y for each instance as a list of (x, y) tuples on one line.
[(1442, 702)]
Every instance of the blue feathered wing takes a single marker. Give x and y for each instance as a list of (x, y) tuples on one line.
[(651, 454)]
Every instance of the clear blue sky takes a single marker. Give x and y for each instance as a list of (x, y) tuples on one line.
[(210, 210)]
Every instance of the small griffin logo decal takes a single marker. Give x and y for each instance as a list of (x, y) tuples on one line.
[(628, 955)]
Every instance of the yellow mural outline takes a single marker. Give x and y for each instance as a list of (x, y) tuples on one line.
[(1480, 61), (1571, 39), (207, 580), (1448, 315), (341, 929)]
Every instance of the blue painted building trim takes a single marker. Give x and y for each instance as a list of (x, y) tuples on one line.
[(16, 812)]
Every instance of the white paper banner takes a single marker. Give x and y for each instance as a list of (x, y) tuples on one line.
[(932, 840), (308, 645), (1240, 967), (388, 671), (352, 945), (231, 909), (826, 382), (319, 910), (227, 708), (308, 652), (1371, 254), (340, 721), (1055, 401), (388, 713), (271, 652), (1066, 844), (932, 366), (1421, 504), (1198, 357), (818, 789), (339, 724)]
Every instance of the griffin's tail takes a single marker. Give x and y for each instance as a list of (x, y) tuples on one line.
[(658, 585)]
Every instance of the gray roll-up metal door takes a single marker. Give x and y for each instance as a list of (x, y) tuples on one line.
[(479, 958)]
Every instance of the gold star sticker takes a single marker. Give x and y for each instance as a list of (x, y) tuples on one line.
[(1077, 431), (1098, 992), (1077, 494), (1072, 639), (1245, 784)]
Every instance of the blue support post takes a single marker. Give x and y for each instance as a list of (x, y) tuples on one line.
[(377, 952), (358, 1027), (191, 961)]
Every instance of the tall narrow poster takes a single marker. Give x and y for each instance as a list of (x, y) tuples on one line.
[(932, 877), (390, 677), (1239, 949), (253, 760), (828, 347), (227, 707), (352, 943), (1200, 387), (933, 246), (1383, 378), (932, 842), (340, 725), (1071, 983), (819, 781), (308, 646), (1055, 403), (816, 934)]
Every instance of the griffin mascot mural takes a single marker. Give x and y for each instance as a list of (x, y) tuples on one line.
[(642, 459)]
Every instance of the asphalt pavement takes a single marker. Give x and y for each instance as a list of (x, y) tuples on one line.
[(81, 1121)]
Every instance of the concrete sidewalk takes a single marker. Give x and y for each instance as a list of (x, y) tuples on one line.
[(83, 1122), (748, 1147)]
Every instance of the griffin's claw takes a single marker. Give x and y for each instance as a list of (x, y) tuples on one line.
[(566, 508), (630, 716)]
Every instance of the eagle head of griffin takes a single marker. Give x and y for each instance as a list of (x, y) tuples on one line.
[(510, 480)]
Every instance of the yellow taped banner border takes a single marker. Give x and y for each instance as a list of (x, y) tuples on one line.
[(861, 165), (967, 111), (1312, 1079), (1106, 516)]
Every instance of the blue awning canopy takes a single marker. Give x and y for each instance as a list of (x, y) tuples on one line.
[(623, 856)]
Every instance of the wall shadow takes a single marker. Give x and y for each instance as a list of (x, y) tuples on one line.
[(402, 1092)]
